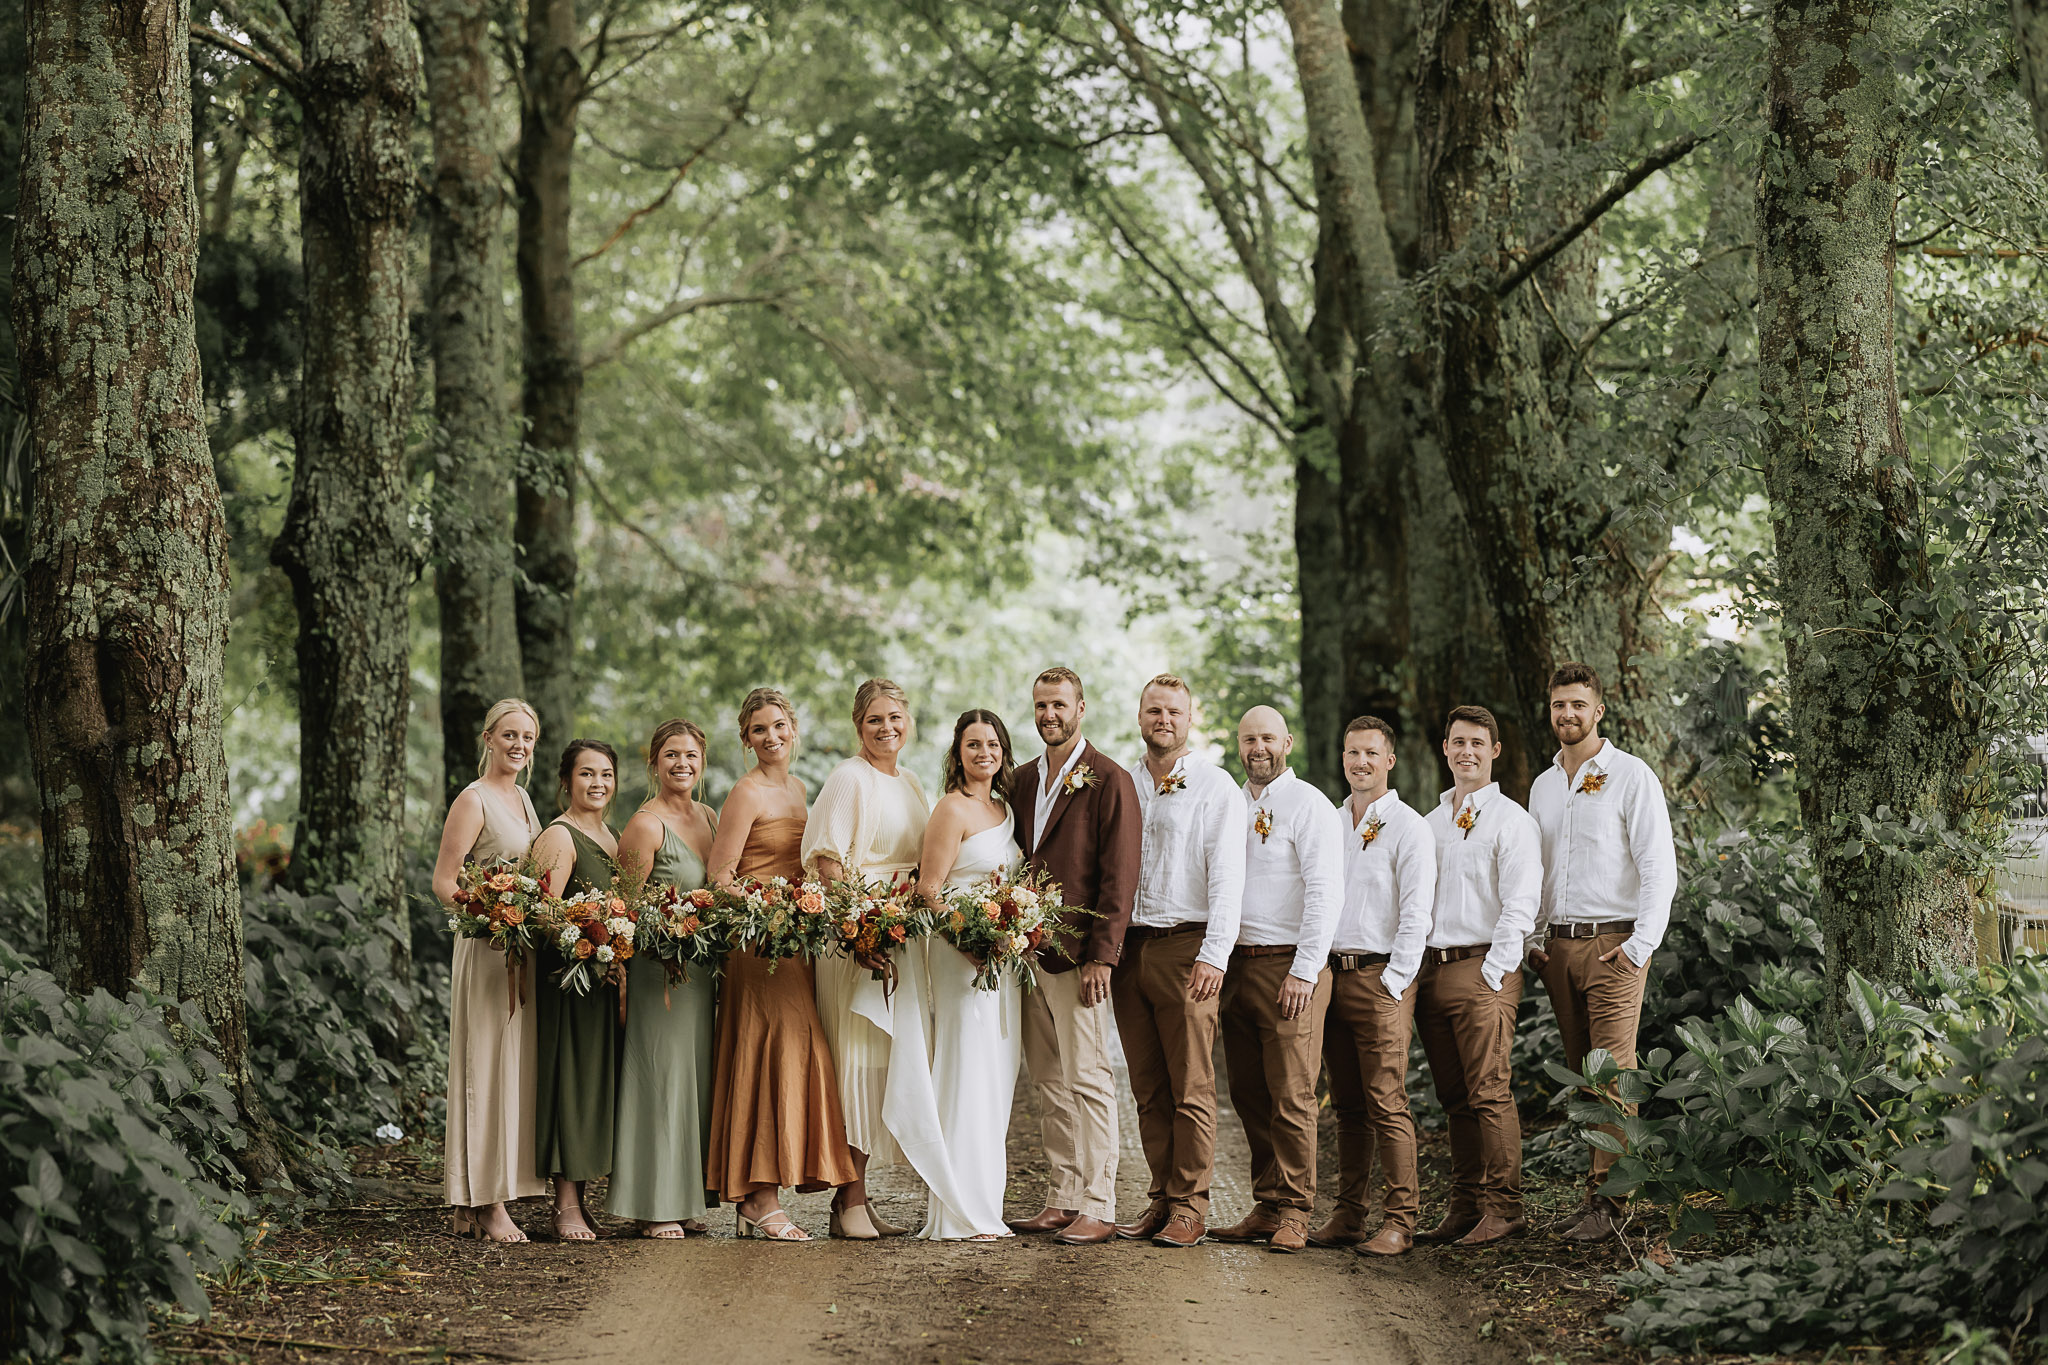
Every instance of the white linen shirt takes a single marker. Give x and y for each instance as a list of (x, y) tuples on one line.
[(1294, 876), (1191, 861), (1049, 792), (1607, 853), (1489, 879), (1389, 890)]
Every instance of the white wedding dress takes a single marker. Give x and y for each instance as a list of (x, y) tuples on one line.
[(953, 1060)]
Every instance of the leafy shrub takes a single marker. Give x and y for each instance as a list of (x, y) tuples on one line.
[(109, 1131), (1834, 1277), (1987, 1160)]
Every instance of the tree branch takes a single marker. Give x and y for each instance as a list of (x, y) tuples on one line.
[(738, 111), (213, 37), (615, 345), (1666, 155)]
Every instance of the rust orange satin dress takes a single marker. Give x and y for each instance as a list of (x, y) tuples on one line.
[(775, 1116)]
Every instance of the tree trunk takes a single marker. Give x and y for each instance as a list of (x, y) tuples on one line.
[(1319, 559), (552, 369), (1873, 735), (346, 545), (126, 581), (473, 571), (2030, 47)]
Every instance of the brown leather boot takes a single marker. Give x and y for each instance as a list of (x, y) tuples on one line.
[(1338, 1232), (1258, 1225), (1598, 1225), (1184, 1229), (1085, 1232), (1388, 1241), (1291, 1236), (1048, 1219), (1147, 1227), (1454, 1226), (1493, 1228)]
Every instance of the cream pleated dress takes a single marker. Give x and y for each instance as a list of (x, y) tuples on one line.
[(874, 825)]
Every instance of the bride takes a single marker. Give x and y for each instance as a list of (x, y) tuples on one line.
[(949, 1091)]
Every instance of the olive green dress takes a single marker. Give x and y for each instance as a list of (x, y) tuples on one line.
[(579, 1049), (664, 1122)]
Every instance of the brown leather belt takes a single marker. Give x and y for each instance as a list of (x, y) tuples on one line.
[(1442, 956), (1351, 962), (1587, 929), (1262, 950), (1141, 932)]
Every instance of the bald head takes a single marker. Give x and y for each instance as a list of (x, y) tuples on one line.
[(1263, 745)]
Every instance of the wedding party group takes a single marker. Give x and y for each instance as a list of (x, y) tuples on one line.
[(1300, 934)]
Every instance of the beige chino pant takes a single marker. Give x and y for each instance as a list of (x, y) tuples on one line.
[(1273, 1065), (1170, 1046), (1068, 1050), (1365, 1043), (1467, 1029), (1598, 1004)]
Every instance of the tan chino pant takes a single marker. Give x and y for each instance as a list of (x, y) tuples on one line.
[(1068, 1050), (1365, 1043), (1467, 1029), (1598, 1004), (1170, 1045), (1273, 1066)]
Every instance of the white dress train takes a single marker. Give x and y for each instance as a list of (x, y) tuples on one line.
[(953, 1060)]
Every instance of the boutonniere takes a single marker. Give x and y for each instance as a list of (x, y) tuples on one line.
[(1262, 823), (1080, 779), (1171, 783), (1593, 783), (1467, 818), (1371, 831)]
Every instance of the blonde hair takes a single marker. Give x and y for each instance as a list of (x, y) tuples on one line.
[(760, 699), (1058, 674), (1168, 680), (865, 696), (663, 733), (499, 710)]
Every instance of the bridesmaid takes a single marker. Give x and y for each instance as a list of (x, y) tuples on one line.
[(953, 1121), (491, 1048), (869, 822), (664, 1116), (775, 1117), (578, 1034)]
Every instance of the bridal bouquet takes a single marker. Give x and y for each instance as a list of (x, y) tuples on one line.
[(680, 928), (873, 919), (594, 930), (1001, 923), (777, 919), (497, 902)]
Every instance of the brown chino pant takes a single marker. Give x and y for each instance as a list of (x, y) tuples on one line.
[(1598, 1004), (1365, 1042), (1467, 1029), (1170, 1045), (1273, 1066)]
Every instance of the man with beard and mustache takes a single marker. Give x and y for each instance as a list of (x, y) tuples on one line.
[(1183, 926), (1078, 821), (1609, 872), (1277, 989)]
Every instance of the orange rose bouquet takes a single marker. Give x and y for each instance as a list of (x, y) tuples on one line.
[(498, 902), (594, 931), (682, 929), (1001, 923), (777, 919), (874, 919)]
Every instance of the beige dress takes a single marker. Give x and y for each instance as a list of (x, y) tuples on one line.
[(491, 1050), (874, 825)]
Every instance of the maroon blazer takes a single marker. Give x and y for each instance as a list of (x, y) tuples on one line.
[(1091, 850)]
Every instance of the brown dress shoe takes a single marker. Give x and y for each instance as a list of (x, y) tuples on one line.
[(1336, 1233), (1493, 1228), (1388, 1241), (1086, 1232), (1451, 1229), (1048, 1219), (1291, 1236), (1597, 1226), (1256, 1226), (1147, 1227), (1184, 1229)]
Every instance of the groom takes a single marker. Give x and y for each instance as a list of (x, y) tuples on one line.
[(1078, 820)]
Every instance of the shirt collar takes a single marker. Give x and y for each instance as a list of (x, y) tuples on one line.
[(1477, 801), (1267, 794), (1080, 747), (1378, 807), (1598, 762)]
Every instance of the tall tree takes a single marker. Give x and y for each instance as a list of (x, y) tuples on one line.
[(551, 88), (2030, 46), (1876, 735), (127, 592), (347, 545), (472, 468)]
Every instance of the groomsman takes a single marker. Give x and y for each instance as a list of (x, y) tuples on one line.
[(1389, 899), (1183, 926), (1609, 872), (1489, 884), (1277, 987), (1078, 820)]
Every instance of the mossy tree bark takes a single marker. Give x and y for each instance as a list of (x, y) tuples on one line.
[(347, 546), (551, 89), (473, 451), (126, 580), (1874, 735), (2030, 49)]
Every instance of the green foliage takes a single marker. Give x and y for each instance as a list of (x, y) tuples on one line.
[(1832, 1278), (114, 1145)]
